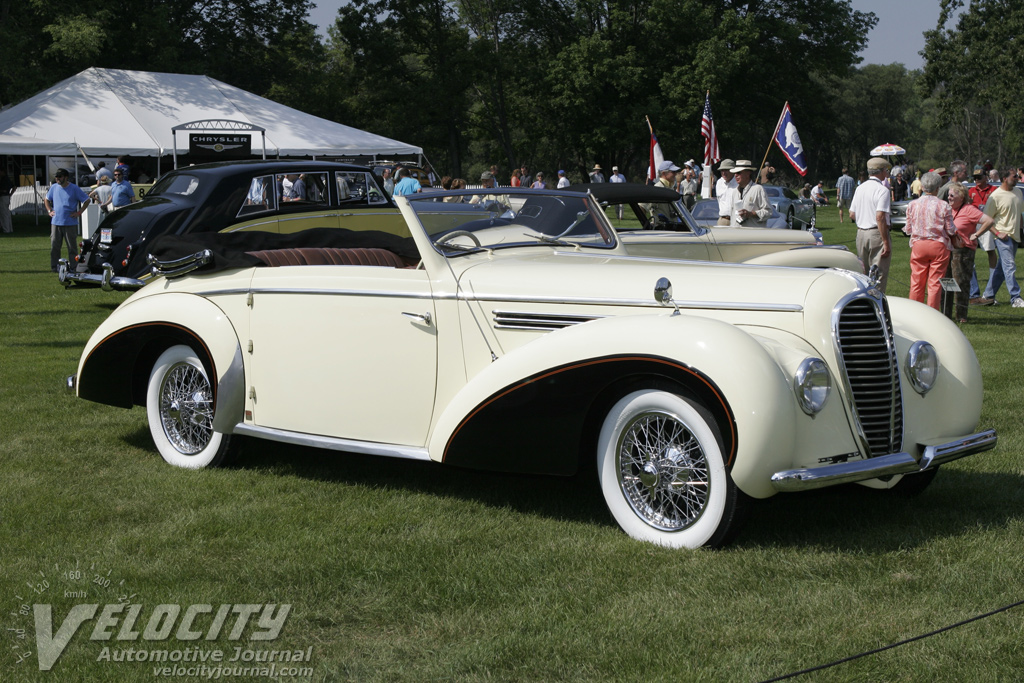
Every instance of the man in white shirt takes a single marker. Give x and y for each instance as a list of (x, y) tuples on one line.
[(722, 186), (750, 206), (617, 177), (869, 210), (562, 180)]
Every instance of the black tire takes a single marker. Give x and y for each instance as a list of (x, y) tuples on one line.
[(790, 219), (662, 472)]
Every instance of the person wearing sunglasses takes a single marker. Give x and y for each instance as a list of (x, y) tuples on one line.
[(121, 192), (64, 202)]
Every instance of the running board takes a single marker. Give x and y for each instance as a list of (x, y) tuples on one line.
[(389, 450)]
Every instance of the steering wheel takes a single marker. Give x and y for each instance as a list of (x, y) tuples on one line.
[(457, 233)]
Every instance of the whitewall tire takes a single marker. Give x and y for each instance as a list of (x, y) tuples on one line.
[(179, 404), (662, 471)]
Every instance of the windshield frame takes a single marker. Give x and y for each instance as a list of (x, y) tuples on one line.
[(511, 220)]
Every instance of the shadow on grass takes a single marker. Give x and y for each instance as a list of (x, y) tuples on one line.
[(847, 518), (576, 498), (856, 518)]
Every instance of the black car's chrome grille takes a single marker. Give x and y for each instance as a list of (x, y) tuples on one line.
[(869, 357)]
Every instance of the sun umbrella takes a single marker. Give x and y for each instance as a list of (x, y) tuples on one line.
[(887, 150)]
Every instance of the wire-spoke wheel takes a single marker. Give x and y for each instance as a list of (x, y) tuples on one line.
[(662, 472), (179, 404)]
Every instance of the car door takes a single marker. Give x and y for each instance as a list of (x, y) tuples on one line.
[(343, 351), (362, 205)]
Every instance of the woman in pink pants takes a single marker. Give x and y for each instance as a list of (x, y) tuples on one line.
[(930, 226)]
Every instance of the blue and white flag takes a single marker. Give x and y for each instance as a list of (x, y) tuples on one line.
[(788, 141)]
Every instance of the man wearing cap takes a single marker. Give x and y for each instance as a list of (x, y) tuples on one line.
[(562, 180), (870, 209), (818, 194), (749, 203), (616, 176), (489, 200), (667, 179), (595, 175), (844, 192), (722, 186), (1005, 206), (62, 203), (958, 174)]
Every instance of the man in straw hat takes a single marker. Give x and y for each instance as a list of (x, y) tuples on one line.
[(725, 183), (750, 207), (869, 209)]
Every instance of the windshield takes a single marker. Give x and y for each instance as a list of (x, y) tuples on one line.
[(494, 218), (175, 183)]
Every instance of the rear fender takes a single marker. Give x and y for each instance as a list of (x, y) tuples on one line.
[(533, 409), (119, 356)]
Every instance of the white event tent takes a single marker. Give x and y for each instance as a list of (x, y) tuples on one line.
[(112, 112)]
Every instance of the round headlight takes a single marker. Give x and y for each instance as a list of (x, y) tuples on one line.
[(922, 366), (812, 384)]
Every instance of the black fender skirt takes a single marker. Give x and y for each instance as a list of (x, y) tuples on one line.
[(544, 423)]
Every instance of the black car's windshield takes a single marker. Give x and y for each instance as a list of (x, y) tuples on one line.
[(488, 218), (175, 183)]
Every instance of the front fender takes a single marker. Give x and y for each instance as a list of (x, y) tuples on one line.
[(533, 408), (811, 257), (115, 365), (952, 408)]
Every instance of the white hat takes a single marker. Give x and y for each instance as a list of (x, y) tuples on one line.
[(615, 168), (667, 166)]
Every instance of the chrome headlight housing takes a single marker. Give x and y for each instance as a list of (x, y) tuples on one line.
[(922, 366), (813, 384)]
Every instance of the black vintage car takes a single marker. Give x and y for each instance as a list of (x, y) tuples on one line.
[(265, 196)]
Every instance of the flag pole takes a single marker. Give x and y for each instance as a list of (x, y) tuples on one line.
[(774, 133), (705, 182)]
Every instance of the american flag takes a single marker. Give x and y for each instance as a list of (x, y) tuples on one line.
[(707, 129)]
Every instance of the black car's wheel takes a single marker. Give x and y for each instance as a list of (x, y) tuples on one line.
[(790, 219), (179, 404), (662, 472)]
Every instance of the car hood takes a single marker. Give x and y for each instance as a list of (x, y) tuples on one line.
[(586, 277)]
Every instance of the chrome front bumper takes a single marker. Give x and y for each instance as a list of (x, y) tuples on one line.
[(106, 280), (807, 478)]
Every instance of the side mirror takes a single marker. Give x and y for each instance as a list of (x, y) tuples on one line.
[(663, 293)]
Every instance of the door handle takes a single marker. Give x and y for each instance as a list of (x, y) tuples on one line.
[(423, 318)]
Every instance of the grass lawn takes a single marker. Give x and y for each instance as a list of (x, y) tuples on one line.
[(404, 571)]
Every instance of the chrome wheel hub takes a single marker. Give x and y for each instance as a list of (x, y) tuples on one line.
[(186, 408), (663, 471)]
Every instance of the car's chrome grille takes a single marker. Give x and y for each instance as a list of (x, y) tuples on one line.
[(511, 320), (864, 334)]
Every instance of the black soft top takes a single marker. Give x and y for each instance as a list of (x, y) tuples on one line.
[(624, 193), (230, 249)]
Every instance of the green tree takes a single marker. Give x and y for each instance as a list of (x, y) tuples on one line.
[(974, 71)]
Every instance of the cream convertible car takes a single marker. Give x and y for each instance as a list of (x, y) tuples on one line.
[(528, 340)]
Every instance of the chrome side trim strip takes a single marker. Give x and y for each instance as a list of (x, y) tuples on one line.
[(502, 298), (649, 303), (807, 478), (345, 292), (331, 443)]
